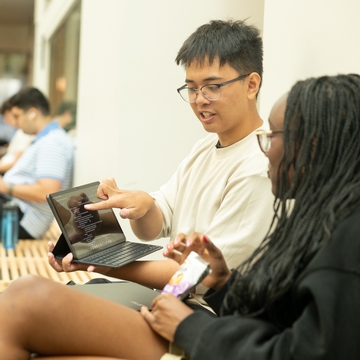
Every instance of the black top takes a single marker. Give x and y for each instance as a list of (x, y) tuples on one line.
[(326, 295)]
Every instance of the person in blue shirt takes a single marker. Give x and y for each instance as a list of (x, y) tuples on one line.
[(46, 166)]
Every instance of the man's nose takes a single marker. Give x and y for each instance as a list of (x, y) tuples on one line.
[(201, 99)]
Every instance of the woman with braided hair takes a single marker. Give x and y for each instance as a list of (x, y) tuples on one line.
[(296, 297)]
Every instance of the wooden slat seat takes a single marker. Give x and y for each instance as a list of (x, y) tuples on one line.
[(30, 257)]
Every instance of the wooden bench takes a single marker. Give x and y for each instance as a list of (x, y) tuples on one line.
[(30, 257)]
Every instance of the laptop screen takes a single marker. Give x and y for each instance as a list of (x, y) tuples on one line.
[(87, 231)]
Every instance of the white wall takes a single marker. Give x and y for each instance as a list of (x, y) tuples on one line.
[(307, 38)]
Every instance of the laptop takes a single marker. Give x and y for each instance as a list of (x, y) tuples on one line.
[(128, 294), (93, 237)]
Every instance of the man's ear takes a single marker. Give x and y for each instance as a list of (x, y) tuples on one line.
[(32, 112), (253, 81)]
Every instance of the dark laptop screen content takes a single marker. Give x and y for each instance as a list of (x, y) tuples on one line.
[(87, 230)]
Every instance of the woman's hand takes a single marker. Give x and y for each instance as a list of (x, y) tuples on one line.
[(167, 313), (182, 245)]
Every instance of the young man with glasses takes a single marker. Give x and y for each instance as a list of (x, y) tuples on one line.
[(221, 188)]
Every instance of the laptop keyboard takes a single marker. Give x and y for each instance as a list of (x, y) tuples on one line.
[(125, 253)]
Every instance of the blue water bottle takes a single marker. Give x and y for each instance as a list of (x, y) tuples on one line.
[(9, 225)]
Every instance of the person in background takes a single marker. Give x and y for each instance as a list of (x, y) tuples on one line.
[(5, 120), (224, 176), (18, 143), (7, 126), (296, 297), (66, 116), (46, 166)]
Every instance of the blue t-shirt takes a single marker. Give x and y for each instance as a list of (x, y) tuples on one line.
[(50, 156)]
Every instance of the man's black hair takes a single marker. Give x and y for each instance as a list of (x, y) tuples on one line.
[(31, 97), (232, 42)]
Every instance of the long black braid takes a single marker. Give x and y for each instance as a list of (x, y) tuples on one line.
[(322, 148)]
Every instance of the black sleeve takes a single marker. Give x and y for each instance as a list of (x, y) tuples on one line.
[(215, 298), (327, 329)]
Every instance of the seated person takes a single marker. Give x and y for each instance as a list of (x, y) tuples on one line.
[(18, 143), (297, 295), (7, 126), (46, 166), (66, 116), (225, 174)]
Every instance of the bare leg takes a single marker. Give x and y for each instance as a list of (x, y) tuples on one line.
[(40, 316), (76, 358)]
